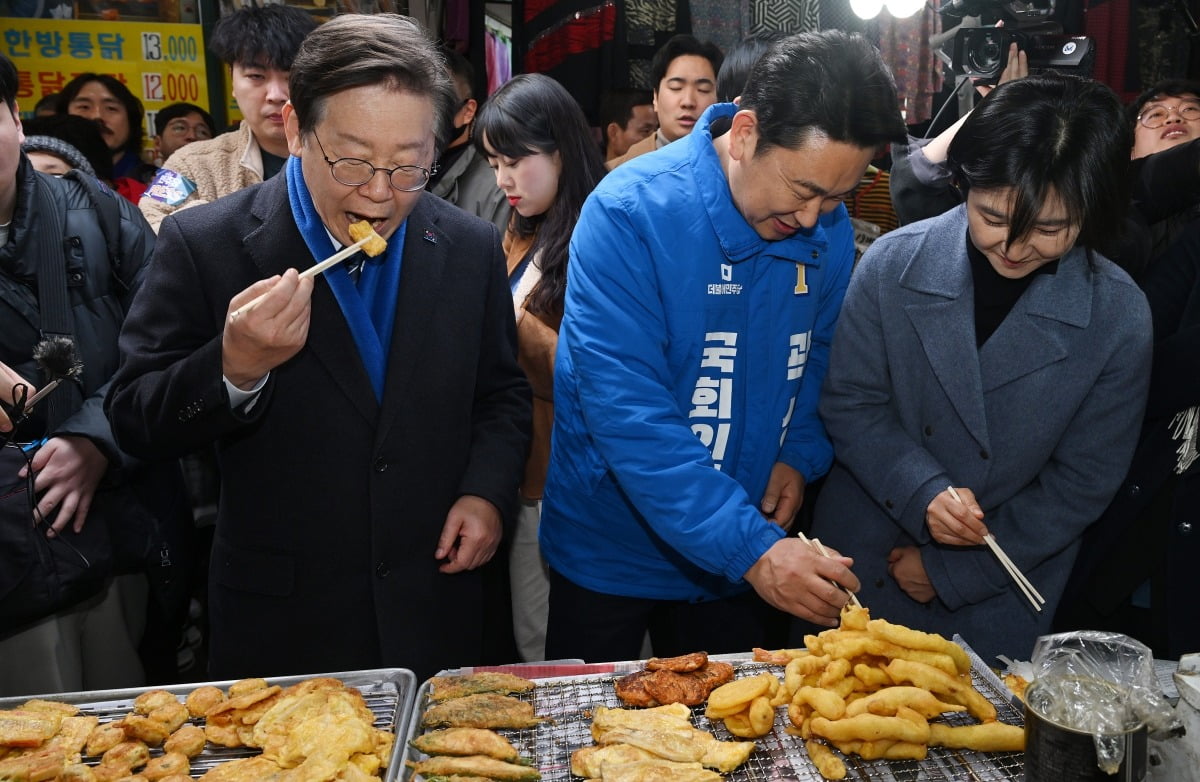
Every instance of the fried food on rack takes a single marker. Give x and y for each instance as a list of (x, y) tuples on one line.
[(138, 728), (466, 741), (103, 738), (246, 686), (152, 699), (444, 688), (188, 740), (201, 699), (487, 710), (586, 761), (475, 765), (829, 765), (34, 766), (673, 715), (166, 765), (173, 715), (778, 656), (53, 707), (988, 737), (127, 754), (667, 732), (20, 728), (681, 664), (665, 685), (657, 771), (72, 736), (77, 772), (255, 769)]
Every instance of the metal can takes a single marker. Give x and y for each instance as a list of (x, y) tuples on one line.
[(1055, 752)]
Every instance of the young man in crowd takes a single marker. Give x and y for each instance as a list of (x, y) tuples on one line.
[(684, 77), (178, 125), (626, 116), (371, 427), (703, 288), (258, 43)]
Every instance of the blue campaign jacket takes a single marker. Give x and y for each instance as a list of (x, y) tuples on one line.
[(689, 361)]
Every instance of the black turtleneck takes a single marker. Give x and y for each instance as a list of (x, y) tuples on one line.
[(995, 295)]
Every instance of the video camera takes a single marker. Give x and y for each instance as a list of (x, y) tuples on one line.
[(981, 53)]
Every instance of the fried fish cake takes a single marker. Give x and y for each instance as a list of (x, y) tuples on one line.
[(633, 691), (487, 710), (681, 664), (476, 765), (103, 738), (201, 699), (152, 699), (444, 688), (139, 728), (188, 740), (466, 741)]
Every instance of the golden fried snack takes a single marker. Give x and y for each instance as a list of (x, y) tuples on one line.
[(829, 765), (778, 656), (1016, 683), (680, 664), (587, 761), (38, 764), (176, 778), (682, 745), (873, 677), (942, 683), (870, 727), (475, 765), (189, 741), (673, 716), (915, 639), (824, 701), (150, 732), (883, 749), (246, 686), (988, 737), (173, 715), (466, 741), (201, 699), (854, 617), (72, 736), (657, 771), (103, 738), (77, 772), (20, 728), (166, 765), (887, 701), (223, 735), (487, 710), (852, 647), (52, 707), (255, 769), (361, 230), (443, 688), (632, 689), (127, 754), (741, 691), (151, 699)]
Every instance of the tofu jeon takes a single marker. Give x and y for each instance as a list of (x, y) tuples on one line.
[(467, 741), (475, 766), (444, 688), (487, 710)]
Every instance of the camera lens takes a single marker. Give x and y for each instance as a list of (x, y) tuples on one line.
[(984, 58)]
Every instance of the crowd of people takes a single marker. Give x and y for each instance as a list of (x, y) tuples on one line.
[(574, 408)]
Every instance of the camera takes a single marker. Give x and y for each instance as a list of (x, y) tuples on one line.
[(982, 52)]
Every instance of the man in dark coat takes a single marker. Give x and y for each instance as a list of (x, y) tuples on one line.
[(371, 422)]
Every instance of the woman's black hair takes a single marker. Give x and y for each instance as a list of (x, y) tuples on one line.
[(133, 107), (1050, 134), (534, 113)]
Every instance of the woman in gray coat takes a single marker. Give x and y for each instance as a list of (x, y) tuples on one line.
[(992, 350)]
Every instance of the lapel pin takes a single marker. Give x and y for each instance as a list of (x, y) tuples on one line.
[(430, 236)]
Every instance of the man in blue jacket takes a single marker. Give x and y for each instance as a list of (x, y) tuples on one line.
[(704, 284)]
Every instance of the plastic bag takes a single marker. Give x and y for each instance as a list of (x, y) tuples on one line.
[(1100, 683)]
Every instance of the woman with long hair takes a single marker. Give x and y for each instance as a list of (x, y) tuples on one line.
[(988, 373), (537, 140)]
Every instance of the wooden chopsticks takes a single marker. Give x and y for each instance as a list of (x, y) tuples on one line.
[(311, 271), (816, 543), (1031, 594)]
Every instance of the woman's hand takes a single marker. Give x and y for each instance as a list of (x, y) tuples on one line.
[(67, 471), (956, 521), (908, 571)]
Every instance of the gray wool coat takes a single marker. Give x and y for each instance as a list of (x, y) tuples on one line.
[(1040, 423)]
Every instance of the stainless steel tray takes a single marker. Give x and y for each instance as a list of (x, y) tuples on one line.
[(779, 757), (389, 693)]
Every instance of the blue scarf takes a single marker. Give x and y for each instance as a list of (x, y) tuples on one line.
[(369, 307)]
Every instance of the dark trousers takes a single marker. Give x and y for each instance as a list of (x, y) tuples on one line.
[(597, 627)]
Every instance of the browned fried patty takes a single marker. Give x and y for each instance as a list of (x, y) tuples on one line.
[(632, 690), (681, 664), (653, 688)]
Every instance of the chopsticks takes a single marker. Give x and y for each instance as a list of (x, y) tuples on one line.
[(816, 543), (312, 271), (1031, 594)]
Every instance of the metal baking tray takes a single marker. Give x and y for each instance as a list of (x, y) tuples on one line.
[(389, 693), (779, 756)]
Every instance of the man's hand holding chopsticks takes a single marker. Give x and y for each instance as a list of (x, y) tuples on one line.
[(955, 518), (794, 577), (269, 333)]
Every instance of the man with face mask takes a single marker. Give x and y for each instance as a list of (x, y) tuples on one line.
[(462, 176)]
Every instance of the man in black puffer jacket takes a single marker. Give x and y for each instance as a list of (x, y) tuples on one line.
[(81, 478)]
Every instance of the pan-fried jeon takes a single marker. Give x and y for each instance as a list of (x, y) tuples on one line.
[(476, 766), (19, 728), (444, 688), (657, 771), (586, 761), (673, 680), (466, 741), (481, 711), (681, 664)]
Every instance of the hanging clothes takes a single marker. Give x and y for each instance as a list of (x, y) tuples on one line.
[(782, 16), (573, 42), (498, 54), (904, 44), (719, 21), (1107, 22)]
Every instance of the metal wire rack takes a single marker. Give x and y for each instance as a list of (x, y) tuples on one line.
[(779, 757), (388, 692)]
